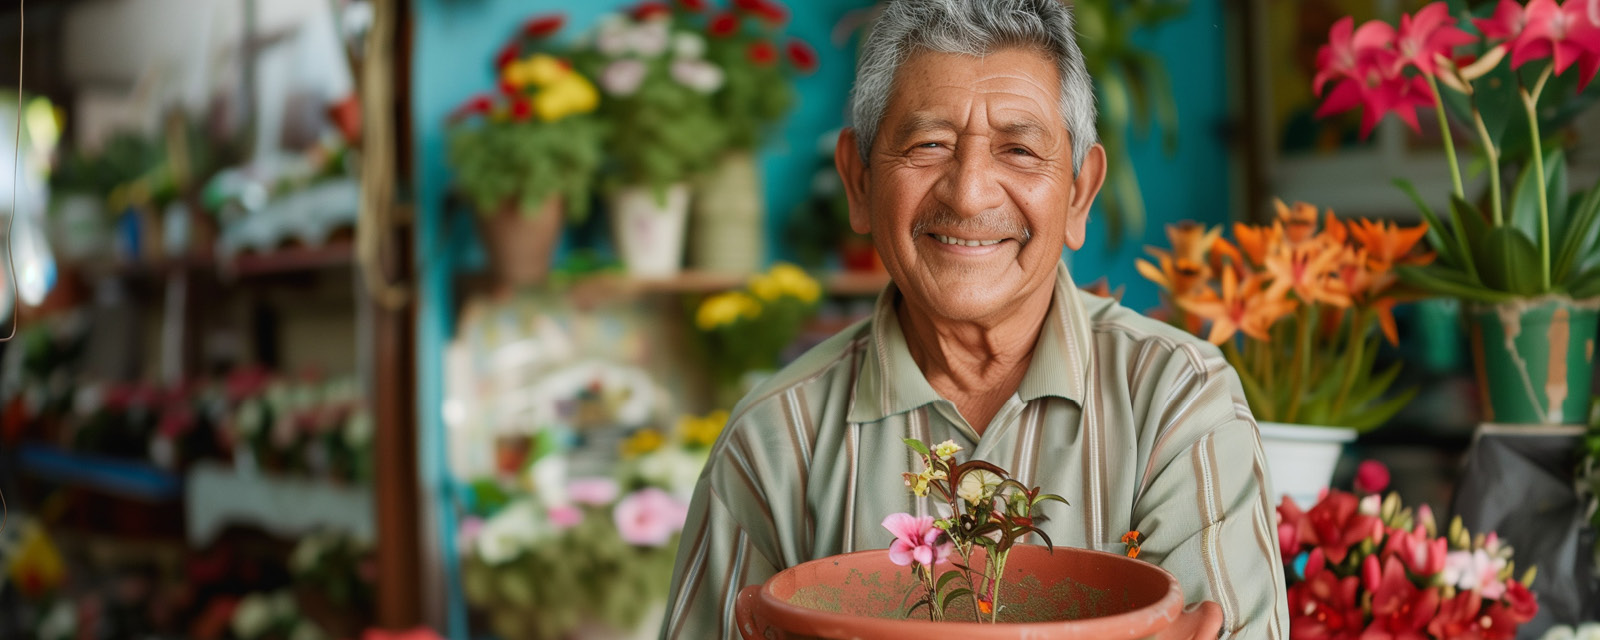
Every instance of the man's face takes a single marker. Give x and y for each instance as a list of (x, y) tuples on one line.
[(969, 193)]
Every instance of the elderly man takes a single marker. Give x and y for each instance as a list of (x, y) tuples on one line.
[(973, 162)]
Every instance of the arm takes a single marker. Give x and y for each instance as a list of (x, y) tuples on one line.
[(716, 558), (1205, 503)]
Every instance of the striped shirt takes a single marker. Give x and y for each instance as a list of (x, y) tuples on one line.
[(1138, 425)]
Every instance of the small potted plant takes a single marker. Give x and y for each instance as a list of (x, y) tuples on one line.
[(662, 131), (746, 330), (528, 153), (759, 66), (1299, 308), (1522, 256)]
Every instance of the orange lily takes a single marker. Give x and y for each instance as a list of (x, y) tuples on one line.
[(1299, 222), (1309, 269), (1334, 230), (1368, 279), (1258, 241), (1181, 276), (1243, 306), (1191, 241), (1388, 243)]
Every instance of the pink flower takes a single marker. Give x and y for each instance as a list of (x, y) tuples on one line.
[(1420, 555), (1429, 32), (1563, 33), (649, 517), (914, 540), (595, 492), (468, 532), (1475, 571), (1350, 50), (1506, 23), (565, 516), (1371, 477)]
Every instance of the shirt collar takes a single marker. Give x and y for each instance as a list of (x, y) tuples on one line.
[(890, 382)]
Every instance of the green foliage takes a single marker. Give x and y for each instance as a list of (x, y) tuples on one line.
[(1135, 91), (663, 134), (585, 573), (525, 162), (755, 94)]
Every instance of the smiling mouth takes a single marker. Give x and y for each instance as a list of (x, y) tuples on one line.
[(965, 243)]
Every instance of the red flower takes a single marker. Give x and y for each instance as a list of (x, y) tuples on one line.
[(723, 25), (1335, 525), (1458, 618), (1325, 607), (1351, 51), (543, 25), (508, 88), (1506, 23), (649, 10), (521, 109), (762, 53), (696, 6), (1420, 555), (507, 55), (1563, 33), (1522, 604), (1431, 31), (1399, 609), (802, 56), (771, 13), (1371, 477), (1379, 94), (479, 104)]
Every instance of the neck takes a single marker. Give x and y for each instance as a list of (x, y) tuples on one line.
[(975, 364)]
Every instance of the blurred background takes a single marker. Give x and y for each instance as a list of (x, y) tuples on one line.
[(339, 315)]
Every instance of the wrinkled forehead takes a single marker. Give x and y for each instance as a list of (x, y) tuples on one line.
[(1017, 91)]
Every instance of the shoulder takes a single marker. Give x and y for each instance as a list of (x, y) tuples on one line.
[(812, 391), (1128, 338)]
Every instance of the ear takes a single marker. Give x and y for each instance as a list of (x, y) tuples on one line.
[(1091, 175), (853, 173)]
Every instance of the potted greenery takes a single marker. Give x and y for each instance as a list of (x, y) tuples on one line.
[(528, 153), (1524, 258), (746, 41), (1298, 309), (662, 131)]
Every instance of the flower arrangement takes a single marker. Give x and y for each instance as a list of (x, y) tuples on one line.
[(587, 549), (534, 138), (272, 616), (303, 426), (1502, 78), (657, 86), (747, 330), (744, 41), (1293, 306), (1360, 565), (988, 510)]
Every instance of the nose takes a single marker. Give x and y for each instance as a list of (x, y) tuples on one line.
[(971, 186)]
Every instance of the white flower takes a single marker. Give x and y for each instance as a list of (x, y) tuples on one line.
[(61, 623), (1371, 505), (548, 478), (651, 39), (977, 485), (674, 469), (305, 555), (623, 77), (612, 36), (1559, 632), (687, 45), (1588, 631), (249, 419), (358, 430), (514, 528), (252, 617), (699, 75)]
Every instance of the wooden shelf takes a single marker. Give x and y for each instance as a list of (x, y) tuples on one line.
[(288, 260), (838, 284)]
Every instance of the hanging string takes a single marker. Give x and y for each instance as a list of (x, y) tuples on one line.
[(16, 185)]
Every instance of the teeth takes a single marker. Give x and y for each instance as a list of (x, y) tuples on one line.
[(965, 243)]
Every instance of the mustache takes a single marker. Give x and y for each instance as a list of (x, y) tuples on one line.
[(989, 224)]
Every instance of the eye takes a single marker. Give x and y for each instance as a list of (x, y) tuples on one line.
[(1019, 151), (929, 145)]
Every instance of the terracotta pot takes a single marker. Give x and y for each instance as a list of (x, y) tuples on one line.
[(1071, 593), (521, 243)]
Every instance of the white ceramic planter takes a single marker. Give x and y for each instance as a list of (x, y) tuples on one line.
[(649, 231), (1301, 458)]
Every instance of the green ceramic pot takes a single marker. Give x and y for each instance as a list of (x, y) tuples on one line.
[(1534, 359)]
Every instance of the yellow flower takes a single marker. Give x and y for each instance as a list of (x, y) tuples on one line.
[(543, 69), (642, 442), (571, 94), (786, 279), (725, 309), (702, 431), (36, 568), (946, 449), (919, 481)]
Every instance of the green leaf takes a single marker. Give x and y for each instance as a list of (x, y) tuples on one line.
[(1555, 169), (1577, 235), (1373, 388), (1450, 283), (1377, 415), (944, 604), (1585, 285), (917, 446), (1472, 229), (944, 580), (1510, 262), (1441, 238)]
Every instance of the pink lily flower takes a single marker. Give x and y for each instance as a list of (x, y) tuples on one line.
[(1430, 31), (1562, 33), (1506, 24), (914, 540), (1350, 51)]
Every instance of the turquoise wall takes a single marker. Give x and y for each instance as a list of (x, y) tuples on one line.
[(456, 39)]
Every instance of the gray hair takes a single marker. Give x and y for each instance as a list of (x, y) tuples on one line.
[(974, 28)]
